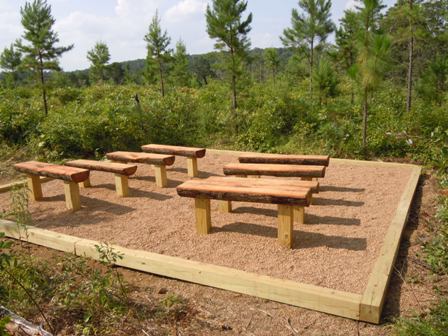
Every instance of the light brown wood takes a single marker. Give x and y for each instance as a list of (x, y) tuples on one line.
[(213, 189), (318, 160), (139, 157), (282, 170), (225, 206), (254, 176), (34, 187), (374, 295), (286, 291), (121, 185), (53, 170), (290, 184), (110, 167), (285, 225), (72, 198), (192, 167), (8, 186), (160, 174), (175, 150), (86, 183), (299, 214), (203, 216), (307, 178)]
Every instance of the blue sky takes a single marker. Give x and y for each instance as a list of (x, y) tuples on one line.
[(123, 23)]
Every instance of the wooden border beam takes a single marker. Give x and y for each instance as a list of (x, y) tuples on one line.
[(286, 291)]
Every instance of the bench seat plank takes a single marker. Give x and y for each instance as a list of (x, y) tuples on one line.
[(138, 157), (110, 167), (65, 173), (175, 150), (267, 182), (318, 160), (215, 189), (281, 170)]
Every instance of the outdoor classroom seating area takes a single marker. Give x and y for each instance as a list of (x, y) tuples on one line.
[(303, 218), (291, 197)]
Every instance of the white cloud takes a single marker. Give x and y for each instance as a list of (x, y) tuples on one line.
[(185, 9), (351, 4)]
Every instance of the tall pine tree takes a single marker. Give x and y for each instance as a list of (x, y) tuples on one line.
[(158, 53), (309, 29), (41, 52), (180, 73), (98, 56), (226, 24)]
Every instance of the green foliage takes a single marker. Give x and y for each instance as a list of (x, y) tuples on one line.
[(158, 53), (272, 60), (437, 249), (433, 324), (225, 23), (98, 56), (10, 60), (3, 322), (180, 74)]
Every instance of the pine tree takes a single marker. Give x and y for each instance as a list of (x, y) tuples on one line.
[(272, 61), (98, 56), (226, 24), (179, 72), (373, 51), (10, 60), (41, 53), (309, 30), (158, 53), (346, 38)]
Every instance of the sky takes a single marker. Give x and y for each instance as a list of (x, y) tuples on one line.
[(122, 24)]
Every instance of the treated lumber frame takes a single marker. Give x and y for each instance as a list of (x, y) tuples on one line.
[(365, 307), (286, 291), (7, 187)]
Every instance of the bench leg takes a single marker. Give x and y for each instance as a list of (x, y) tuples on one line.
[(299, 214), (285, 224), (160, 172), (121, 185), (203, 217), (72, 200), (86, 183), (192, 166), (34, 186), (225, 206)]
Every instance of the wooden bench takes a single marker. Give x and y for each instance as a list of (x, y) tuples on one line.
[(287, 200), (70, 175), (226, 206), (306, 172), (159, 162), (192, 154), (317, 160), (120, 170)]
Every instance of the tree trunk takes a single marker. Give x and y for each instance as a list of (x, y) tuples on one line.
[(410, 63), (365, 111), (311, 65), (162, 84), (42, 82)]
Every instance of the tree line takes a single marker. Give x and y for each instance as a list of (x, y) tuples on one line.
[(406, 45)]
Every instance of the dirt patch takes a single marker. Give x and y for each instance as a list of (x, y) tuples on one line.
[(336, 248)]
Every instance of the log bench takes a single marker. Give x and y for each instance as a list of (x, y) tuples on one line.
[(224, 190), (317, 160), (120, 170), (226, 206), (159, 162), (306, 172), (70, 175), (192, 154)]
